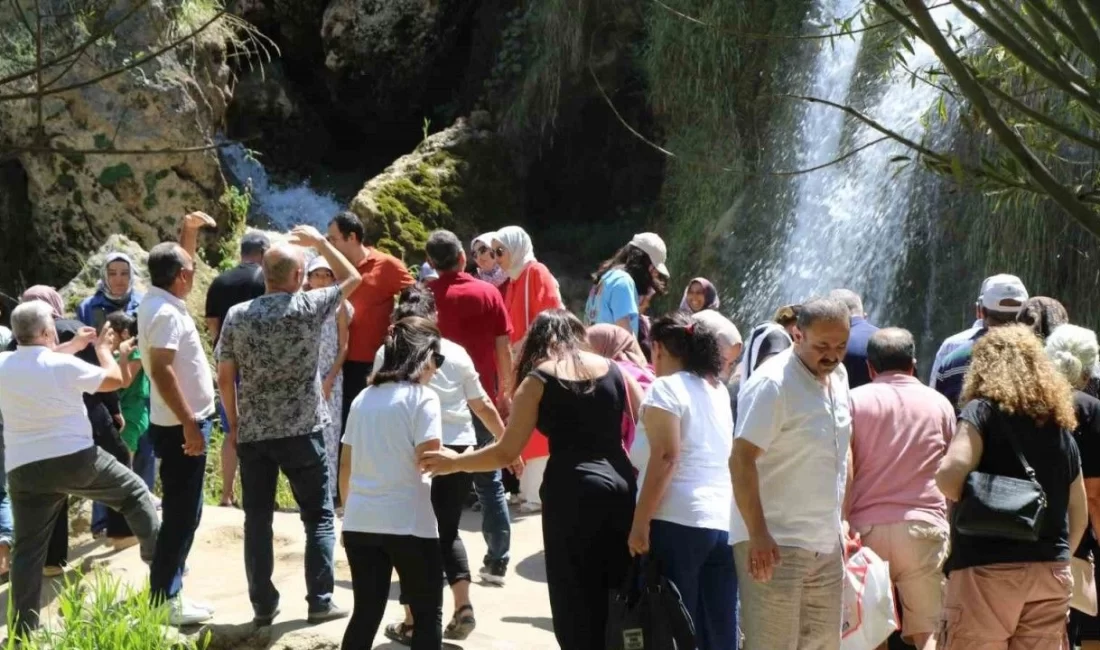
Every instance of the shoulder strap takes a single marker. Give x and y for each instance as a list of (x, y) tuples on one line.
[(1015, 442)]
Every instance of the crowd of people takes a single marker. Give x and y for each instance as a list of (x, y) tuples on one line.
[(745, 470)]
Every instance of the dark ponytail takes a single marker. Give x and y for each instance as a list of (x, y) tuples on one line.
[(693, 343), (409, 346)]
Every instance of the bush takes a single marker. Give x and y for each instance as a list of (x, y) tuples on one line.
[(102, 612)]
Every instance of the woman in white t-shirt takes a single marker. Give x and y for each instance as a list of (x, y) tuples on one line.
[(460, 393), (388, 517), (682, 517)]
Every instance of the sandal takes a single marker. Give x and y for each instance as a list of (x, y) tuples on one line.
[(461, 625), (400, 633)]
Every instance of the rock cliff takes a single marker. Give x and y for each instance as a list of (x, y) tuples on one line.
[(65, 191)]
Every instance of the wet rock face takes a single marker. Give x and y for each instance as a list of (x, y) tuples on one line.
[(457, 179), (75, 200), (380, 54)]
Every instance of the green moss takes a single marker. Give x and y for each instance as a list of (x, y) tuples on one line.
[(101, 141), (150, 201), (77, 159), (112, 175), (78, 198)]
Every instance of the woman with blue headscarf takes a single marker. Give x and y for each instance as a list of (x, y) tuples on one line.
[(114, 292)]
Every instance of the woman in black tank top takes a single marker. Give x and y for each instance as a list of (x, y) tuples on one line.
[(578, 400)]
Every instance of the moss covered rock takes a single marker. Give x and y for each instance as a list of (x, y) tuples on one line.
[(460, 179)]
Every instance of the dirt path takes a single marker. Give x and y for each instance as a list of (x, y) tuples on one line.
[(513, 617)]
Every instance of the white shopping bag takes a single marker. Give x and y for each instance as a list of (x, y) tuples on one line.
[(869, 616)]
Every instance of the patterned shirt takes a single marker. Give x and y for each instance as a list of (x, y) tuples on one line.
[(275, 341)]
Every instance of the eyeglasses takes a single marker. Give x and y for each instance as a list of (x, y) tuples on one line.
[(500, 251), (438, 359), (484, 249)]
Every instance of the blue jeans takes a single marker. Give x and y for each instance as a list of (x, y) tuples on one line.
[(7, 525), (181, 480), (699, 561), (496, 524), (304, 462), (145, 461)]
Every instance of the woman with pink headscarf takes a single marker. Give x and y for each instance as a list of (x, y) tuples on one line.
[(617, 344)]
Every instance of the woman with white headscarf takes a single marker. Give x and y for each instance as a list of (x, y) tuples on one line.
[(114, 292), (531, 290), (487, 267)]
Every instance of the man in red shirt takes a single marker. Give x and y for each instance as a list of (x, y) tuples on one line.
[(471, 313), (384, 276)]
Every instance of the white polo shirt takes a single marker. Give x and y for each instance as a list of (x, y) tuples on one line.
[(164, 323), (41, 397), (804, 428)]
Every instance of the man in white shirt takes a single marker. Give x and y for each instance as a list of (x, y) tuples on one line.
[(49, 452), (181, 407), (789, 466)]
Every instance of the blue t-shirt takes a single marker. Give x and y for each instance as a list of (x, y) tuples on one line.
[(615, 297)]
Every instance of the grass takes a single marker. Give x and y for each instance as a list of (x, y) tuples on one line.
[(100, 612), (212, 486)]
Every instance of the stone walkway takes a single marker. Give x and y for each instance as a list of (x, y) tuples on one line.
[(513, 617)]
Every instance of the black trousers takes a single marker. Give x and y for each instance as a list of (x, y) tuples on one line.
[(109, 440), (372, 558), (586, 520)]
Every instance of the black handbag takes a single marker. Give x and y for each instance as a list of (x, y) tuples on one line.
[(1002, 507), (647, 613)]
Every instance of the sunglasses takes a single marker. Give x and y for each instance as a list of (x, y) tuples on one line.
[(484, 249), (500, 251), (438, 359)]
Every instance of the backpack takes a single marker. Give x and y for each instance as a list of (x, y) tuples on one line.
[(647, 613)]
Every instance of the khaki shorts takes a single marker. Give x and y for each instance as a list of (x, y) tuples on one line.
[(1020, 606), (916, 552)]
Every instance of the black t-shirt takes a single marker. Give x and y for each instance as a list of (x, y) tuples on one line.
[(1087, 436), (1053, 455), (239, 284)]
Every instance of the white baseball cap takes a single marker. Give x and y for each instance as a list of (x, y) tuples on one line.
[(652, 244), (998, 289), (316, 263), (427, 272)]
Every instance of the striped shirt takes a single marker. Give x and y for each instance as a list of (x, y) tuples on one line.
[(952, 373)]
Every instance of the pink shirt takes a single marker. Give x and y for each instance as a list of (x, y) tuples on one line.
[(900, 431)]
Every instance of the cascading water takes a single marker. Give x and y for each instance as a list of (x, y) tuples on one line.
[(282, 207), (848, 220)]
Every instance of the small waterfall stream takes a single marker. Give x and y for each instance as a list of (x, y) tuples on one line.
[(280, 206), (847, 225)]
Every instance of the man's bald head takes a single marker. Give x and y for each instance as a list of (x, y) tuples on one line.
[(283, 267), (891, 349)]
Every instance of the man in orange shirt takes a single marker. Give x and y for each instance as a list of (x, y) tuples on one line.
[(384, 276)]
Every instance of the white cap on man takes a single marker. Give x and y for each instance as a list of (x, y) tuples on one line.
[(317, 263), (652, 244), (1003, 293)]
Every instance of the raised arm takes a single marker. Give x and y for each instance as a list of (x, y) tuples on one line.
[(192, 223), (525, 410)]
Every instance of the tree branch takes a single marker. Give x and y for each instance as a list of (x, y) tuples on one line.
[(1084, 215), (79, 50), (1038, 116), (1082, 26), (130, 66), (730, 170), (5, 150), (782, 37)]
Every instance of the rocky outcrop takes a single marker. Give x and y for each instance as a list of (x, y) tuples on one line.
[(269, 111), (77, 193), (381, 54), (456, 179)]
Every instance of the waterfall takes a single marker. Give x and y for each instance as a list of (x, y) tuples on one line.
[(280, 206), (847, 225)]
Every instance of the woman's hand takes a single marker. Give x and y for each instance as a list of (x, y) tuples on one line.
[(438, 462), (639, 538), (327, 384)]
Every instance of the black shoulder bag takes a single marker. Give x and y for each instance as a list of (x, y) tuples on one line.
[(1002, 507)]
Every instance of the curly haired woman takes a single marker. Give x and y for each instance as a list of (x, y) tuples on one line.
[(1003, 593)]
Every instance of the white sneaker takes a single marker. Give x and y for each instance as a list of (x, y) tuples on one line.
[(198, 604), (183, 613), (530, 507)]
